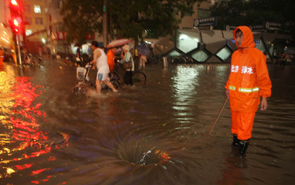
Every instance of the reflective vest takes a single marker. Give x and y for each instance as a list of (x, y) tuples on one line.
[(244, 90)]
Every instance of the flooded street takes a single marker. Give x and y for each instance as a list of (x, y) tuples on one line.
[(150, 135)]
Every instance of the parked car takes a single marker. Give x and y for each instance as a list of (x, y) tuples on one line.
[(7, 54)]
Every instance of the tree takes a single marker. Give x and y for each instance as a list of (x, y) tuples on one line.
[(255, 12), (127, 18), (82, 18)]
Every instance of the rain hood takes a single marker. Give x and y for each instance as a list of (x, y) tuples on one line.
[(248, 40)]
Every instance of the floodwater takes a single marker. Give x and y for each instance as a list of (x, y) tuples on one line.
[(151, 135)]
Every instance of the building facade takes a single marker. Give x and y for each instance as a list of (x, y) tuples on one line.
[(5, 32), (200, 11), (34, 15)]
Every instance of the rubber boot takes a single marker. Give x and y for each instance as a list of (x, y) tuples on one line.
[(235, 140), (243, 146)]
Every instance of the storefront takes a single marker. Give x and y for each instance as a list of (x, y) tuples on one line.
[(213, 46)]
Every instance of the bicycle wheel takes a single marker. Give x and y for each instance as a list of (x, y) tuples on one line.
[(116, 77), (115, 83), (139, 78), (33, 62)]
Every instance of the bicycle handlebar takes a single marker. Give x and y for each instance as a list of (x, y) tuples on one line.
[(88, 65)]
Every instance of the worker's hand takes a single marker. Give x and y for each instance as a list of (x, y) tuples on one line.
[(263, 105), (227, 93)]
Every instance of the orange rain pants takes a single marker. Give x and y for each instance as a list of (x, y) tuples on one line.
[(242, 124)]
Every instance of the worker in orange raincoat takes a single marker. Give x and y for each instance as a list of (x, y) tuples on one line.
[(111, 58), (247, 82)]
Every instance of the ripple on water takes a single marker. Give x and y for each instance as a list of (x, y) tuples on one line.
[(153, 135)]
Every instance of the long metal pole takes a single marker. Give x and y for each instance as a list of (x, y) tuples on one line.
[(216, 118), (105, 24), (18, 49)]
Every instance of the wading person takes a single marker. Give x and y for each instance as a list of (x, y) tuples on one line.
[(128, 65), (247, 83), (111, 58), (78, 55), (142, 61), (100, 61)]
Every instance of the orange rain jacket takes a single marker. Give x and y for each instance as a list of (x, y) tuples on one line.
[(110, 58), (249, 77), (1, 57)]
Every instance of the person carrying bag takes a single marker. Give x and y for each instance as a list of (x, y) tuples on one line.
[(128, 65)]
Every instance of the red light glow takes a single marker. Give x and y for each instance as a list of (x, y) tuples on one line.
[(39, 171), (15, 22), (14, 2), (22, 167), (25, 117)]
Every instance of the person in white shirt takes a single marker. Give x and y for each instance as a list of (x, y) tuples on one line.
[(100, 62)]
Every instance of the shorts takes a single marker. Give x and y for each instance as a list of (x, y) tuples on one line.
[(102, 74)]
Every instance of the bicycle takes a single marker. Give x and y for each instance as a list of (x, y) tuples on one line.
[(180, 59), (84, 83), (76, 61), (30, 60), (138, 77)]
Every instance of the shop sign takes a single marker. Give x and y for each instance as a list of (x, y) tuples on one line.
[(257, 28), (257, 42), (273, 26), (59, 35), (90, 37), (202, 22)]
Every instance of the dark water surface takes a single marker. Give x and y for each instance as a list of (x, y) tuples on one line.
[(149, 135)]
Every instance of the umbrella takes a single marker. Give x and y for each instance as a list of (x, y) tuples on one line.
[(131, 45), (143, 49), (119, 42)]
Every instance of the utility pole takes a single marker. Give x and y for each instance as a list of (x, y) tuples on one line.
[(105, 24)]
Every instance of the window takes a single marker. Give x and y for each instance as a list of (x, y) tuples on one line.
[(29, 32), (189, 13), (27, 8), (57, 4), (203, 13), (60, 4), (28, 20), (224, 53), (37, 8), (200, 56), (58, 27), (39, 21)]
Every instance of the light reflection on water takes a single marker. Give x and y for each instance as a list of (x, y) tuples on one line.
[(23, 138), (142, 135)]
